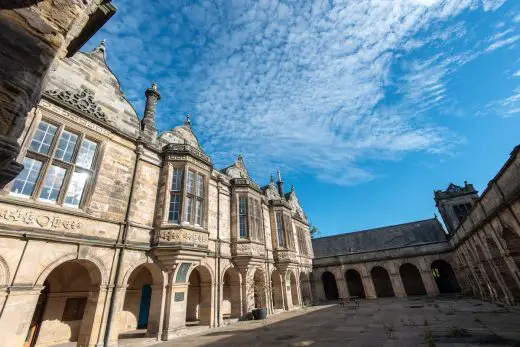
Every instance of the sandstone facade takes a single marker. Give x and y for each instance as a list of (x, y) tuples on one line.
[(111, 227)]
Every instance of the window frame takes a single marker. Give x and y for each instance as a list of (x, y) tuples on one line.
[(48, 160), (188, 200)]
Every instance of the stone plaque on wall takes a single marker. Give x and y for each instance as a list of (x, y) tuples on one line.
[(179, 296)]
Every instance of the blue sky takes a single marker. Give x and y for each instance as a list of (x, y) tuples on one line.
[(366, 106)]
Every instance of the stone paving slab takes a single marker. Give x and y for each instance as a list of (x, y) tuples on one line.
[(451, 322)]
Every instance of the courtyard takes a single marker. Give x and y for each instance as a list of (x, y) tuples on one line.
[(442, 321)]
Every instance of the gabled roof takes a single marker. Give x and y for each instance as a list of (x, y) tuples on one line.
[(88, 76), (378, 239)]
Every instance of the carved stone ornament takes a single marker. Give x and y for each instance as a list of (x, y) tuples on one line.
[(184, 236), (253, 249), (82, 101)]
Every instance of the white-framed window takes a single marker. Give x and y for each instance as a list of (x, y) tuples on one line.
[(174, 214), (190, 200), (242, 213), (280, 229), (58, 166)]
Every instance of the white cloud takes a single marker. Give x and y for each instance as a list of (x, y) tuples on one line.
[(295, 84)]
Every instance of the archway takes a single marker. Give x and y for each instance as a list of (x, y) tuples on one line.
[(305, 288), (198, 305), (294, 289), (329, 285), (493, 283), (382, 283), (354, 283), (444, 277), (231, 294), (503, 269), (512, 240), (258, 290), (142, 303), (67, 306), (277, 290), (412, 281)]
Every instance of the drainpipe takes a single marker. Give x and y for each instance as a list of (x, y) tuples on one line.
[(122, 245), (269, 287), (218, 252)]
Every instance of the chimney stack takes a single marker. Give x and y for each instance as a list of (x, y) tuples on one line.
[(152, 96), (280, 184)]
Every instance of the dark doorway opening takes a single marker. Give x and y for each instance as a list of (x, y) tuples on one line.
[(412, 281), (144, 307), (382, 283), (354, 283), (445, 277), (329, 286)]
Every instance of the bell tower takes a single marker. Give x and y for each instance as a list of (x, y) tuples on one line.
[(455, 203)]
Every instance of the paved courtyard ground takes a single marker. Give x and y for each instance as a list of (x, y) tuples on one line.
[(383, 322)]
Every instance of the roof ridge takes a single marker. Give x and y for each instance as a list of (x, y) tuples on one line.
[(377, 228)]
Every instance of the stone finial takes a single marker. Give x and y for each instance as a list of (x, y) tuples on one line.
[(100, 50), (187, 122), (292, 188), (279, 175), (272, 179)]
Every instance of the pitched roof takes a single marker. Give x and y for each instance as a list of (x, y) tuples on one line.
[(378, 239)]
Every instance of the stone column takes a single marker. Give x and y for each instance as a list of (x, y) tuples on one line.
[(285, 293), (317, 285), (32, 36), (93, 317), (368, 285), (341, 283), (429, 283), (174, 307), (397, 284), (156, 311), (17, 314), (119, 293)]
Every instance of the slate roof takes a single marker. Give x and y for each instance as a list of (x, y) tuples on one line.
[(394, 236)]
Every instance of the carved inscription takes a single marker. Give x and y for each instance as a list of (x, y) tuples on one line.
[(42, 220), (248, 249), (286, 256), (183, 236)]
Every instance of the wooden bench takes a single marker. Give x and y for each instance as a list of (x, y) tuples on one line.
[(349, 302)]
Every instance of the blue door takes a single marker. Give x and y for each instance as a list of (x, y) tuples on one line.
[(144, 308)]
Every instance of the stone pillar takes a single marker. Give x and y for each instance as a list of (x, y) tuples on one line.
[(285, 293), (92, 328), (429, 283), (397, 284), (120, 294), (368, 285), (340, 283), (174, 307), (317, 287), (33, 34), (156, 311), (17, 314)]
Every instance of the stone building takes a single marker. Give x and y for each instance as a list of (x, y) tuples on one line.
[(479, 255), (112, 227)]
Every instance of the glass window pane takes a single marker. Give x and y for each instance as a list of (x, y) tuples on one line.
[(189, 209), (242, 211), (191, 182), (175, 207), (42, 139), (86, 154), (76, 188), (66, 146), (177, 180), (279, 227), (200, 186), (26, 180), (199, 206), (52, 184)]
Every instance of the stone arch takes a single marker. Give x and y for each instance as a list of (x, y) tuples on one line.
[(293, 285), (382, 282), (493, 285), (412, 281), (277, 290), (305, 288), (92, 261), (512, 242), (503, 269), (330, 286), (444, 277), (142, 300), (199, 296), (354, 283), (68, 305), (258, 290), (231, 293), (4, 273)]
